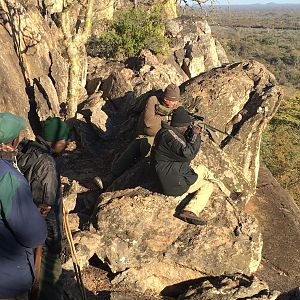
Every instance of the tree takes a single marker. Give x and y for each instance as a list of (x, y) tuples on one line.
[(75, 38), (198, 2)]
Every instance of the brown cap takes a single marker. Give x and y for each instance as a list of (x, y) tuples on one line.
[(172, 92)]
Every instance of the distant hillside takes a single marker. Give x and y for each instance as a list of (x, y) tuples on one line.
[(262, 5)]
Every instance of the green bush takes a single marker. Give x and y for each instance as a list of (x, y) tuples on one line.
[(280, 149), (131, 32), (268, 40)]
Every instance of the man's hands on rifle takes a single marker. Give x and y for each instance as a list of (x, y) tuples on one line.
[(197, 129)]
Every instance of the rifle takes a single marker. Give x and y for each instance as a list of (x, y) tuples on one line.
[(199, 121)]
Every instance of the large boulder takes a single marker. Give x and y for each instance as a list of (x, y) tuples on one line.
[(34, 74), (150, 249), (195, 49), (239, 99), (278, 215)]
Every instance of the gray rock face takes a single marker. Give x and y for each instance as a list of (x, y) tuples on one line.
[(230, 288), (125, 84), (13, 95), (194, 48), (34, 75), (161, 250), (239, 99), (278, 216)]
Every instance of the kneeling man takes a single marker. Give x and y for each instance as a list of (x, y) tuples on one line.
[(172, 153)]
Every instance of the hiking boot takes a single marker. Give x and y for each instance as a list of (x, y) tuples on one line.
[(104, 182), (99, 183), (190, 217)]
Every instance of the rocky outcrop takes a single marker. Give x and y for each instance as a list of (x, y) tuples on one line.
[(239, 99), (138, 238), (278, 215), (142, 75), (161, 251), (13, 95), (233, 287), (193, 51), (194, 48), (32, 67)]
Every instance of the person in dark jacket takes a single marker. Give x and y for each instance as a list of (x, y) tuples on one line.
[(22, 227), (171, 156), (155, 112), (37, 161)]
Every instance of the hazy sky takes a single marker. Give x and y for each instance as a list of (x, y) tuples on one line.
[(256, 1)]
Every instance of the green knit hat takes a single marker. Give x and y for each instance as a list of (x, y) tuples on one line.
[(55, 130), (10, 127)]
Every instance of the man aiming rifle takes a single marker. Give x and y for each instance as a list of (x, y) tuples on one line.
[(157, 110), (172, 152)]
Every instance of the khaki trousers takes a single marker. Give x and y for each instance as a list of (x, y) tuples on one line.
[(203, 188)]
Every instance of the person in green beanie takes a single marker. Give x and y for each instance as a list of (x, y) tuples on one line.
[(22, 227), (38, 162), (10, 127)]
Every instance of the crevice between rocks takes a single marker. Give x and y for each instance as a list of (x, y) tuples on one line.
[(50, 70)]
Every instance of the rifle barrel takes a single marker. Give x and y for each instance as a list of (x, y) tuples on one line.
[(200, 119), (221, 131)]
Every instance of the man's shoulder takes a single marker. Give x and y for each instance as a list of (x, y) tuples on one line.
[(152, 100), (34, 154), (9, 183), (46, 160), (171, 133)]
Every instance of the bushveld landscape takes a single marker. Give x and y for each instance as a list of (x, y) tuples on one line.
[(270, 34), (94, 64)]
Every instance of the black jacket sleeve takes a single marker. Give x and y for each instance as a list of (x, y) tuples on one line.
[(183, 149), (45, 183)]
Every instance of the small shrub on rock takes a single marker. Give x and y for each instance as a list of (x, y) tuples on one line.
[(131, 32)]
